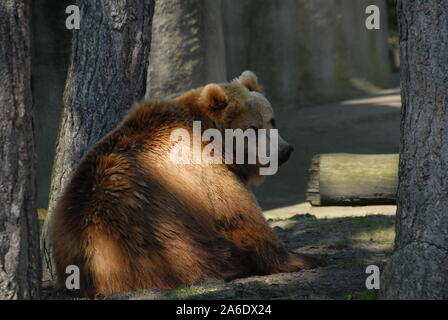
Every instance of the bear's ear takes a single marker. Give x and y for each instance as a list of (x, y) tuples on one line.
[(213, 99), (250, 81)]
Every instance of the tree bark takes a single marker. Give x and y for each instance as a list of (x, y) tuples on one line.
[(20, 268), (107, 74), (353, 179), (418, 269), (187, 50)]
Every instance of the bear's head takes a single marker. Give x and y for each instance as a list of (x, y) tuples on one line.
[(241, 107)]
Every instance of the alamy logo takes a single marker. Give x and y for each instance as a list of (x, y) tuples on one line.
[(73, 20), (72, 281), (373, 20), (373, 280), (261, 147)]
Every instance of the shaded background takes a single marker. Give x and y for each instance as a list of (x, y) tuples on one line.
[(308, 54)]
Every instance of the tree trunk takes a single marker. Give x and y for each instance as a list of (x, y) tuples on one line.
[(20, 268), (353, 179), (418, 268), (187, 50), (107, 74)]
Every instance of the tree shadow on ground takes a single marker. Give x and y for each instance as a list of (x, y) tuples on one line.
[(347, 245), (365, 126)]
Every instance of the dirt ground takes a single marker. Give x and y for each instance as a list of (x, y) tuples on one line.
[(345, 239), (344, 245), (367, 126)]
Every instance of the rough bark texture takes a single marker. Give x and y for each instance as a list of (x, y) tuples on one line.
[(107, 74), (353, 179), (187, 50), (19, 230), (418, 268)]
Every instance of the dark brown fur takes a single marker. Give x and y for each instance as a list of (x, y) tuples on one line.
[(130, 219)]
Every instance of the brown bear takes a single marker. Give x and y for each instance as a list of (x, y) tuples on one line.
[(131, 219)]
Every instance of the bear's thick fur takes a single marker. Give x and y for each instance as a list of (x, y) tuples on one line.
[(131, 219)]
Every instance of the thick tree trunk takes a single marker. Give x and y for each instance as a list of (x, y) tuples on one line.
[(187, 50), (107, 74), (20, 268), (418, 268), (353, 179)]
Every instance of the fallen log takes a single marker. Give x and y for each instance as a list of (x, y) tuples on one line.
[(353, 179)]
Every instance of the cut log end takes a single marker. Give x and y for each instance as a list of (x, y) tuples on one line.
[(353, 179)]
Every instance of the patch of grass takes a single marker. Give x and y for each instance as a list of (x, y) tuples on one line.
[(279, 219), (42, 214), (283, 229), (367, 232), (297, 217), (306, 217), (362, 295), (384, 236), (178, 292), (355, 224)]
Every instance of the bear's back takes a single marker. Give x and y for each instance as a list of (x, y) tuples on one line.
[(128, 212)]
